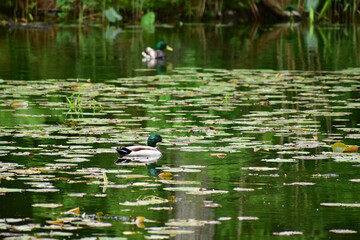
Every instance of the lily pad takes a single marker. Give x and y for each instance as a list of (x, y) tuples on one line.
[(47, 205)]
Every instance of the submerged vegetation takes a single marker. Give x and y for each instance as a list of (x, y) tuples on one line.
[(179, 11)]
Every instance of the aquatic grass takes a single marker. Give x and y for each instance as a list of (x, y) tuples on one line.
[(75, 102)]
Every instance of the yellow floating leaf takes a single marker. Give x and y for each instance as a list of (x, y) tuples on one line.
[(139, 219), (219, 155), (166, 175), (75, 211), (351, 149), (18, 104), (105, 178), (139, 222), (56, 222), (339, 147), (130, 233), (256, 149), (343, 148)]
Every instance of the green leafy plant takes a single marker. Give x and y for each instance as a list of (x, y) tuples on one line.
[(311, 6), (64, 5), (95, 105), (148, 19), (112, 15), (30, 7), (324, 8), (75, 102)]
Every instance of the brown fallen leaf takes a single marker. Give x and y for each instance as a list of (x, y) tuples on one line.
[(75, 211), (56, 222)]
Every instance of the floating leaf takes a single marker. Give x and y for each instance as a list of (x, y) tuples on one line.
[(42, 190), (166, 175), (160, 208), (340, 204), (130, 233), (57, 222), (287, 233), (98, 224), (342, 231), (219, 155), (56, 233), (75, 211), (182, 189), (207, 192), (211, 204), (139, 222), (189, 222), (244, 189), (260, 169), (47, 205), (242, 218), (173, 231), (299, 184), (10, 190), (339, 147), (19, 104), (351, 149), (147, 201), (131, 176), (76, 194)]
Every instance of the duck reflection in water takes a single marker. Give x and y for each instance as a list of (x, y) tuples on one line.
[(149, 162)]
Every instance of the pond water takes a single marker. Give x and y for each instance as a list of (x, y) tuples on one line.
[(102, 54), (248, 117)]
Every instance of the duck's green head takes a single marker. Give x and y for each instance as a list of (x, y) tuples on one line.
[(162, 45), (153, 140)]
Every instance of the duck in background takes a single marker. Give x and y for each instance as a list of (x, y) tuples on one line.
[(157, 53)]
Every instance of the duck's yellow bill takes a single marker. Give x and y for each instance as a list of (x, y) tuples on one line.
[(168, 48)]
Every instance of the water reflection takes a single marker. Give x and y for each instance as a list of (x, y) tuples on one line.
[(97, 53), (149, 161), (138, 159)]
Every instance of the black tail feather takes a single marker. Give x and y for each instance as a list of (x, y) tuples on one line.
[(123, 151)]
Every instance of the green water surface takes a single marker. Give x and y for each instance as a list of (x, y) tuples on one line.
[(249, 116)]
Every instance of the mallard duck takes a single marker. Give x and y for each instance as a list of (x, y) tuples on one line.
[(151, 151), (151, 54)]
